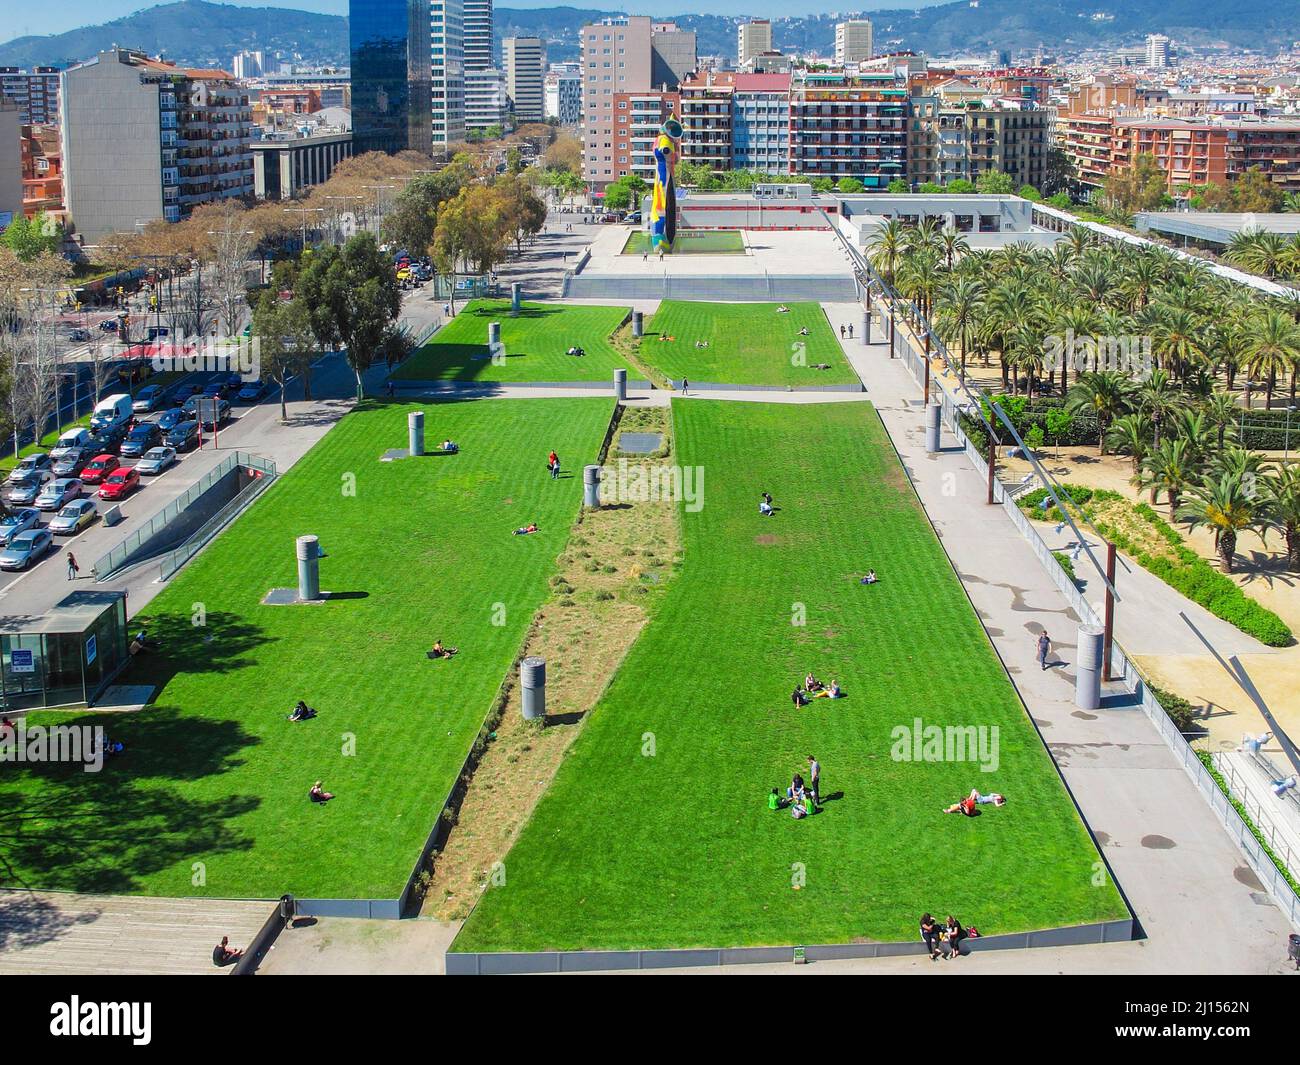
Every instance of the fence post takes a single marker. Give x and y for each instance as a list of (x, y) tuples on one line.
[(1108, 639), (993, 461)]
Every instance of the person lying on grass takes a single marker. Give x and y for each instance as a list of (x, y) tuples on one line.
[(531, 527), (450, 445), (665, 336), (765, 508), (302, 712), (803, 807), (701, 343), (870, 578), (968, 804), (798, 698), (833, 692), (319, 794), (439, 651), (804, 331)]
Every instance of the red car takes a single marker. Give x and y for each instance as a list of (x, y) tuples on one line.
[(120, 484), (98, 468)]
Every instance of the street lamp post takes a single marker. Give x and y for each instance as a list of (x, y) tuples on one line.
[(1286, 434)]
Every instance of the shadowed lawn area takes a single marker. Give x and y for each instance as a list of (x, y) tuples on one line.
[(656, 832), (535, 344), (214, 773), (748, 344), (691, 242)]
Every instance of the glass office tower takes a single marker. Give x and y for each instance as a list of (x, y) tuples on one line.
[(392, 99)]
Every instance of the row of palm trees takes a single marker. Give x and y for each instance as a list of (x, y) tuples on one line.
[(1020, 303), (1269, 254), (1176, 418)]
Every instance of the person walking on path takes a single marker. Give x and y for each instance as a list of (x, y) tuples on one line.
[(815, 780), (850, 330), (553, 463), (1044, 648), (685, 386), (841, 330), (73, 568)]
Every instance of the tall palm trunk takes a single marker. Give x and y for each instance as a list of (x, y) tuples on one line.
[(1227, 548)]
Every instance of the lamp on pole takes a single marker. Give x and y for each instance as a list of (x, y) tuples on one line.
[(304, 211), (379, 206)]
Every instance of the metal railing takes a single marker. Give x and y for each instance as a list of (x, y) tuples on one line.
[(1240, 789), (115, 559), (176, 558)]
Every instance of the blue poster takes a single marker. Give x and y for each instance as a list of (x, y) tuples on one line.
[(22, 661), (90, 650)]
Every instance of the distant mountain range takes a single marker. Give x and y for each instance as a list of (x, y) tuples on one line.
[(205, 34)]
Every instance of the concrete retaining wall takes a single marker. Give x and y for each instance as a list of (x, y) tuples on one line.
[(577, 961), (464, 386), (736, 288), (713, 386)]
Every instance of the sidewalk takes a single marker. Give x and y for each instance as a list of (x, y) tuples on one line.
[(1197, 901)]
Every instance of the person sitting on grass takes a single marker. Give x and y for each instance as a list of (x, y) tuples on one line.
[(870, 578), (812, 684), (774, 800), (302, 712), (531, 527), (832, 692), (804, 331), (765, 508), (783, 309), (796, 788), (450, 445), (576, 351), (800, 808), (798, 698), (319, 794), (439, 651)]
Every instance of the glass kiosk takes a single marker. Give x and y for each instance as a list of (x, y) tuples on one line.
[(66, 658)]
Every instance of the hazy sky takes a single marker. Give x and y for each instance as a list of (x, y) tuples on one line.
[(18, 18)]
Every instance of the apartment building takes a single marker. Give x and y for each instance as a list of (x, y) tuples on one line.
[(447, 81), (11, 165), (524, 60), (760, 123), (624, 55), (144, 139), (706, 120), (1089, 143), (852, 42), (752, 39), (638, 117), (562, 88), (844, 125), (969, 139), (42, 166), (35, 93)]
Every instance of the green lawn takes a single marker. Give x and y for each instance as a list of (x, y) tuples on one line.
[(691, 242), (748, 344), (535, 344), (214, 774), (656, 832)]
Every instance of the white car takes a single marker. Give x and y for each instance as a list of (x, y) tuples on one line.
[(73, 518), (156, 460)]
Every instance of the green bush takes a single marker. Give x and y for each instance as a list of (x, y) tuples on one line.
[(1181, 712), (1066, 563), (1208, 761)]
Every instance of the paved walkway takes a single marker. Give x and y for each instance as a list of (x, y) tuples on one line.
[(45, 933)]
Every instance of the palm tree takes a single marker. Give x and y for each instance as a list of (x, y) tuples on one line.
[(1169, 468), (1291, 202), (1107, 394), (1220, 411), (952, 245), (1227, 506), (886, 247), (1282, 497), (960, 302), (1261, 253), (1160, 399), (1083, 322), (1078, 240), (1273, 348), (1178, 339), (1130, 434)]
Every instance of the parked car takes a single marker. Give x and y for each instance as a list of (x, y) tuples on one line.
[(70, 441), (217, 387), (183, 436), (251, 391), (141, 438), (98, 468), (57, 492), (79, 335), (107, 441), (194, 404), (120, 483), (26, 548), (111, 410), (33, 463), (23, 492), (71, 463), (108, 325), (73, 518), (147, 399), (169, 419), (18, 521), (156, 460)]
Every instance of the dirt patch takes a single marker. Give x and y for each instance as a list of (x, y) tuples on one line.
[(767, 539), (616, 564)]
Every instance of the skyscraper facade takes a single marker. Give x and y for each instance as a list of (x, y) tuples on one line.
[(447, 52), (525, 67), (478, 34), (391, 95)]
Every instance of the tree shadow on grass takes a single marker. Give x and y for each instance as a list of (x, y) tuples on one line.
[(104, 832), (219, 645)]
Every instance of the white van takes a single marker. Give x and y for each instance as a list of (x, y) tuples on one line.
[(111, 411), (70, 441)]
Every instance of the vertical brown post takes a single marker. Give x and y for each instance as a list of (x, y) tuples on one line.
[(993, 463), (1108, 632), (927, 376), (891, 330)]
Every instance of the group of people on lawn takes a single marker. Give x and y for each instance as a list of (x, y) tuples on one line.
[(812, 688), (801, 798)]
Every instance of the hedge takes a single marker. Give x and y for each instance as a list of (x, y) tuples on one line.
[(1181, 712)]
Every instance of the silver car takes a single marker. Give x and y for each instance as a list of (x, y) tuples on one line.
[(58, 492), (23, 492), (36, 462), (155, 460), (26, 548), (73, 518), (17, 521)]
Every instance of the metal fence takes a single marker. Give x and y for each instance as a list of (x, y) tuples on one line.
[(175, 559), (114, 560), (1240, 789)]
